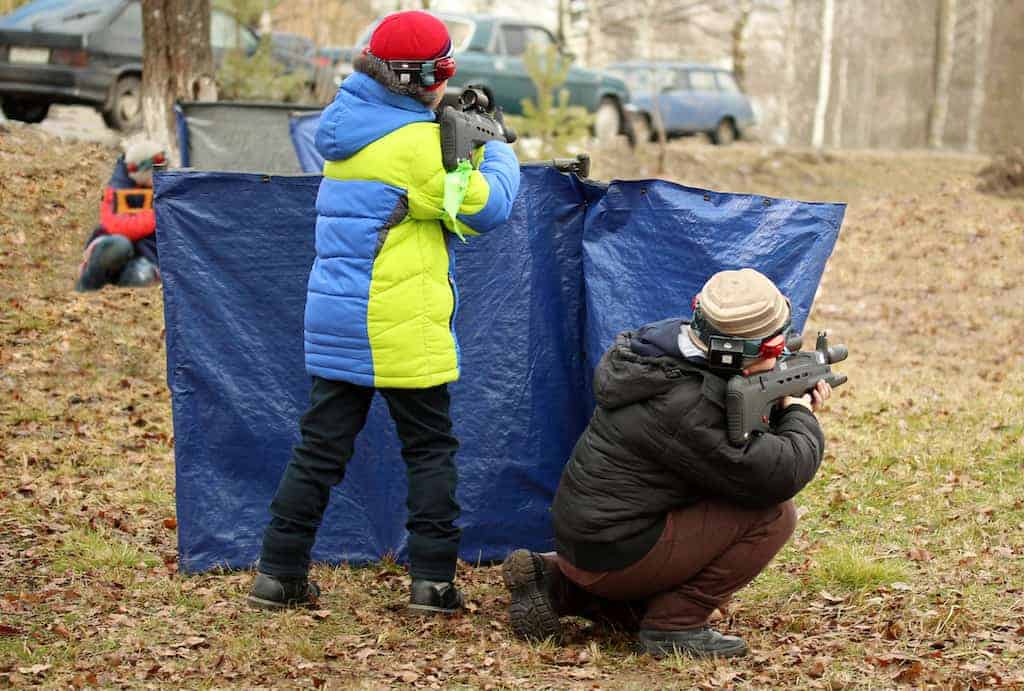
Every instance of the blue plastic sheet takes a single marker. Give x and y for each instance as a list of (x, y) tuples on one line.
[(649, 246), (302, 129), (540, 300), (234, 282)]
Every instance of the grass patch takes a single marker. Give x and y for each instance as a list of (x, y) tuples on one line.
[(86, 550), (852, 567)]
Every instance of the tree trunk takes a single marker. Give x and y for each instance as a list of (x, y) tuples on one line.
[(647, 31), (841, 76), (739, 46), (944, 39), (982, 33), (789, 74), (177, 64), (824, 74)]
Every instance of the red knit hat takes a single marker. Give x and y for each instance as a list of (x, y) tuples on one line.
[(412, 35)]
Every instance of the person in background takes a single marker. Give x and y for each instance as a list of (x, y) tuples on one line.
[(658, 519), (122, 249)]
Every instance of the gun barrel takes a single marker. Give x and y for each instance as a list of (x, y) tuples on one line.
[(837, 353), (836, 380)]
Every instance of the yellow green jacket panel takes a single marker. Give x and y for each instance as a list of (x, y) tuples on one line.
[(381, 301)]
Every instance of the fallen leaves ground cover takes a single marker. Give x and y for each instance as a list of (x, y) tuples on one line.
[(908, 563)]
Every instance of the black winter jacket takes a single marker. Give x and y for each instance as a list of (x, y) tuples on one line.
[(657, 442)]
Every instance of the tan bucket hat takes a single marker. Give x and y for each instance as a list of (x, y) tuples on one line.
[(742, 304)]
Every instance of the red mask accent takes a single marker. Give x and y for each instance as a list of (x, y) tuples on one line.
[(444, 69), (132, 168), (772, 347)]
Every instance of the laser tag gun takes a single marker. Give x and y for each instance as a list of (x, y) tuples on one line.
[(475, 121), (749, 400)]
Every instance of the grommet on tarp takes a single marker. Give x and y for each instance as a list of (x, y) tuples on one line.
[(264, 178), (707, 197), (767, 202)]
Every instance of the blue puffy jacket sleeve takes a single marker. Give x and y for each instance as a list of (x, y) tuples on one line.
[(500, 170)]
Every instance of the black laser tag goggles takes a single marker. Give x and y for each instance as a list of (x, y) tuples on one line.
[(426, 73), (732, 353)]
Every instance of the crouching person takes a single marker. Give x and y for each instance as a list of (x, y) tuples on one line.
[(381, 305), (658, 519), (122, 249)]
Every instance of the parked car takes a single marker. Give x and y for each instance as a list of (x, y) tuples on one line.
[(489, 50), (691, 99), (299, 53), (331, 56), (87, 52)]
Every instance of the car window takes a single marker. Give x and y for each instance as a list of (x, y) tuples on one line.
[(702, 81), (514, 40), (680, 80), (539, 38), (128, 25), (460, 31), (293, 43), (71, 16), (640, 80), (726, 82), (227, 33)]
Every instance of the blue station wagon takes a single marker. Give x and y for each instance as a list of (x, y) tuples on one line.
[(691, 99)]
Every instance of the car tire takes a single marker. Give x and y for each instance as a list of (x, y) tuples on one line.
[(607, 121), (725, 132), (25, 109), (125, 113), (642, 128)]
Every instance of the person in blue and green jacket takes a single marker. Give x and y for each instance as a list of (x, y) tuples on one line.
[(381, 304)]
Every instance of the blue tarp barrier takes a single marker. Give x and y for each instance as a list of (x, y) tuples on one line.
[(302, 129), (540, 300)]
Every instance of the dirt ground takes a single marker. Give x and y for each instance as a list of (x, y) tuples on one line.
[(907, 568)]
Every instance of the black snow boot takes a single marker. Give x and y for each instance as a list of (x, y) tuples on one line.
[(532, 613), (700, 642), (273, 593), (434, 597)]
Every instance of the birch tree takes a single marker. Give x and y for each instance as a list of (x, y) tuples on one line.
[(841, 75), (789, 73), (824, 74), (177, 64), (982, 33), (944, 41), (739, 46)]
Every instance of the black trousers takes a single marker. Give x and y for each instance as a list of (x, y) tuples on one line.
[(336, 414)]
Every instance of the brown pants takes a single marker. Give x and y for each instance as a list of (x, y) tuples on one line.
[(706, 553)]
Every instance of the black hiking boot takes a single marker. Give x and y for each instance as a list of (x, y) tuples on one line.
[(434, 597), (702, 642), (273, 593), (104, 258), (532, 613)]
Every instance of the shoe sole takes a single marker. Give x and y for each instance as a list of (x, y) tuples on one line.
[(260, 603), (428, 610), (531, 615), (667, 650)]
